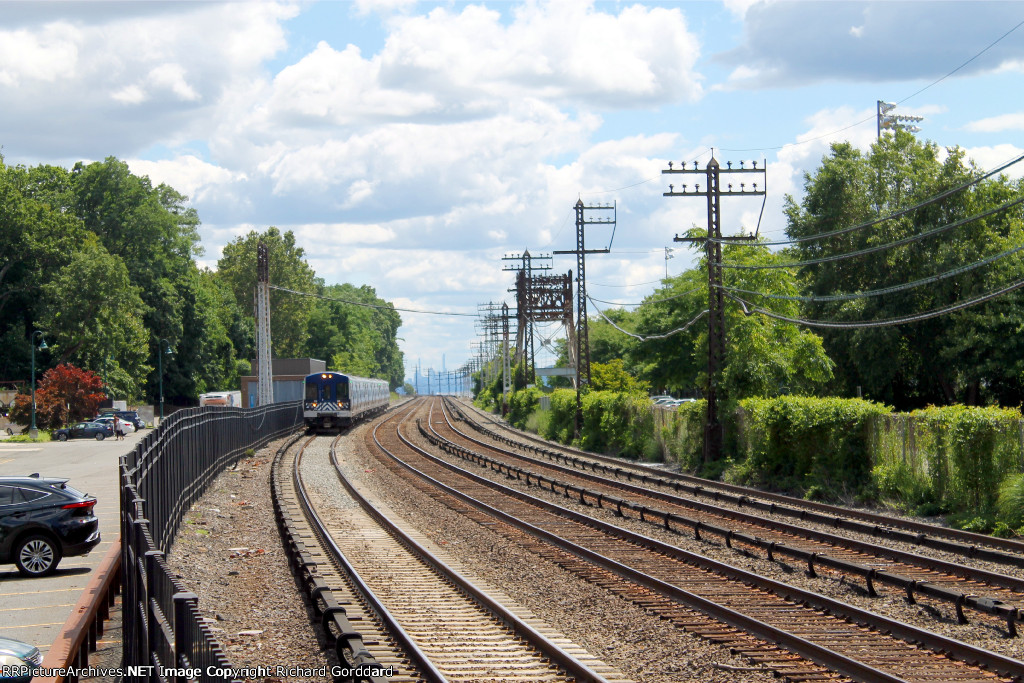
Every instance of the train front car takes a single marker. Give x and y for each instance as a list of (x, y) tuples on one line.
[(326, 404), (334, 400)]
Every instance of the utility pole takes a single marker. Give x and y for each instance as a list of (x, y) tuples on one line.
[(713, 432), (668, 255), (525, 295), (264, 367), (582, 338), (506, 371)]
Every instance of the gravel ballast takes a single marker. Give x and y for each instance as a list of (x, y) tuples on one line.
[(229, 553)]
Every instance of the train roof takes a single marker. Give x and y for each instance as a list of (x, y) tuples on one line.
[(335, 373)]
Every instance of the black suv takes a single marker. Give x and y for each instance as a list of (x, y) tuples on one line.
[(126, 415), (42, 519)]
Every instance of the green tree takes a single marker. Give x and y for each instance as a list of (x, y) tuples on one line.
[(764, 356), (36, 242), (357, 332), (290, 313), (156, 234), (612, 376), (972, 355), (93, 318)]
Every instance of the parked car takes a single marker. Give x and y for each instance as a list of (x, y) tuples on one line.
[(129, 415), (85, 430), (126, 426), (42, 520), (21, 658)]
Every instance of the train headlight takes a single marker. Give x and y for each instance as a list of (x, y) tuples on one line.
[(314, 404)]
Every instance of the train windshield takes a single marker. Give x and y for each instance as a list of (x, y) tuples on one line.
[(311, 391), (342, 389)]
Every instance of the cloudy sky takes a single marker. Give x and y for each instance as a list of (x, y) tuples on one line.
[(410, 145)]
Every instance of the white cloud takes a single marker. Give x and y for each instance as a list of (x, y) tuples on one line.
[(46, 55), (988, 158), (805, 42), (998, 124), (165, 60), (187, 174)]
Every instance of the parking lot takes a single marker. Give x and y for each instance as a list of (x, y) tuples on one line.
[(33, 610)]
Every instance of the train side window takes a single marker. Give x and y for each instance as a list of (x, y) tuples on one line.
[(342, 390)]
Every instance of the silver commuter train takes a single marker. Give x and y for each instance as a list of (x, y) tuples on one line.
[(334, 399)]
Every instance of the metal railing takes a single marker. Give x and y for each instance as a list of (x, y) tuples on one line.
[(164, 635)]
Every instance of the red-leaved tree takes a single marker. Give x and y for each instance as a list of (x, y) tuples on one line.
[(65, 394)]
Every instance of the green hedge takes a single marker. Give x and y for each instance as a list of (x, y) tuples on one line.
[(681, 434), (951, 459), (521, 404), (808, 445)]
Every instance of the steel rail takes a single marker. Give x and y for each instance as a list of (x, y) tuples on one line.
[(966, 543), (811, 651), (939, 644), (552, 651), (322, 597), (1009, 613), (406, 643)]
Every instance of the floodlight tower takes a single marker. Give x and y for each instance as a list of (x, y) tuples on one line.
[(887, 121)]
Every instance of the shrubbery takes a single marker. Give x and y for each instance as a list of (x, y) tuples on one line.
[(958, 460), (803, 444)]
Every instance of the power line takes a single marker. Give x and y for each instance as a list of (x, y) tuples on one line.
[(879, 247), (635, 284), (886, 290), (749, 309), (651, 336), (377, 306), (872, 117), (649, 301), (902, 212)]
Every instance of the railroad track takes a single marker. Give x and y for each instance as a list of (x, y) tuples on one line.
[(422, 618), (798, 634), (966, 544), (964, 587)]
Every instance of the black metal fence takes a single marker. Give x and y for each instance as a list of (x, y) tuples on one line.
[(165, 638)]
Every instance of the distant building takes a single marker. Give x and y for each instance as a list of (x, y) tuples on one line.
[(288, 375)]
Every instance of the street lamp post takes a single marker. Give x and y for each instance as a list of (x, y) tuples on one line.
[(33, 432), (160, 362)]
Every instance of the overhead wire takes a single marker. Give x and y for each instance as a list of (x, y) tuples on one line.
[(376, 306), (897, 214), (885, 290), (650, 336), (749, 309), (879, 247), (873, 117), (649, 301)]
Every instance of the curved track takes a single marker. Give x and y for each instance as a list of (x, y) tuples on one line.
[(965, 587), (967, 544), (436, 623), (799, 634)]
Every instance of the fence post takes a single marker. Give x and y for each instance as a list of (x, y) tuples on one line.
[(154, 631), (183, 632)]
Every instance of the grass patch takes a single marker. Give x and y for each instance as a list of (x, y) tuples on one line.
[(44, 436)]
